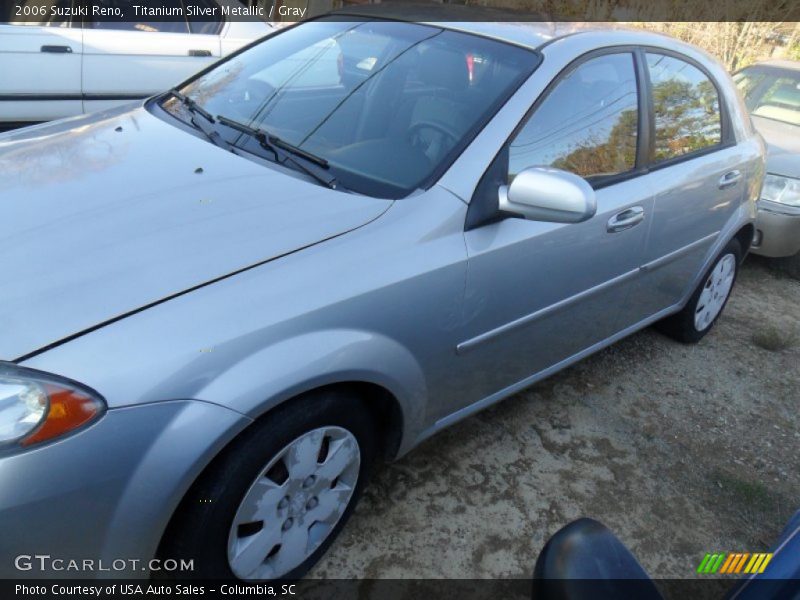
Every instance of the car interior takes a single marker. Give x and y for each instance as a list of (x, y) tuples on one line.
[(392, 117), (782, 102)]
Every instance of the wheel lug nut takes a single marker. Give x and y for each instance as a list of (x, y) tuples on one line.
[(309, 481), (283, 503), (312, 503), (287, 524)]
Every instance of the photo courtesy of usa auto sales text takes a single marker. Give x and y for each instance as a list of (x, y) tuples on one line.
[(127, 589)]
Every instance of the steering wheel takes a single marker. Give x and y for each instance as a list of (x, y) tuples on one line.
[(416, 128)]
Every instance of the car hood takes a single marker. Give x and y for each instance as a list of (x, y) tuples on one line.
[(106, 214), (783, 146)]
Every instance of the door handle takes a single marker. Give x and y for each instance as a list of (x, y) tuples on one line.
[(626, 219), (199, 52), (56, 49), (730, 178)]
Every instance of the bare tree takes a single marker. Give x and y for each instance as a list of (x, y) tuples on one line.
[(735, 44), (736, 33)]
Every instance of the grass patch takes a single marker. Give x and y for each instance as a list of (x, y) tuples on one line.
[(752, 493), (774, 339), (750, 511)]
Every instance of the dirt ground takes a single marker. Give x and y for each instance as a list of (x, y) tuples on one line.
[(681, 450)]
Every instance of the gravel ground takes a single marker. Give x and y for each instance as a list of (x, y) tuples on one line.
[(681, 450)]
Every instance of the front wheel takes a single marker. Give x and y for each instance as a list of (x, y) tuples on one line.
[(270, 505), (695, 320)]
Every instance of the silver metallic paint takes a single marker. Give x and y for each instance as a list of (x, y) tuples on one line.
[(155, 230), (108, 491), (545, 194), (447, 321)]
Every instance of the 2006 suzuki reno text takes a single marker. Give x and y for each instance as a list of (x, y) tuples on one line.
[(222, 305)]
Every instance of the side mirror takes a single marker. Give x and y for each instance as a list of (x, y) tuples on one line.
[(546, 194)]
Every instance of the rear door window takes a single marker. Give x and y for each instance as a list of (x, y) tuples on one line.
[(686, 105)]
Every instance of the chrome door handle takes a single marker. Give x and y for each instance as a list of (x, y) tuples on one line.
[(729, 179), (626, 219)]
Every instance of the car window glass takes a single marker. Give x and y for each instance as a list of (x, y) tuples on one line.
[(38, 13), (144, 24), (747, 81), (780, 100), (319, 65), (389, 102), (686, 107), (346, 60), (587, 124)]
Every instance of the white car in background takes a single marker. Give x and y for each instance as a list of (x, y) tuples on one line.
[(60, 68)]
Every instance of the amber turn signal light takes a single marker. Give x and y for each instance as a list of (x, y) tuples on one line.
[(68, 410)]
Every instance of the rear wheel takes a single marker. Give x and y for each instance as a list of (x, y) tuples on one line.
[(270, 505), (695, 320)]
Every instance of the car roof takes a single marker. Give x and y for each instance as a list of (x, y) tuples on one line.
[(791, 65), (496, 23), (530, 34)]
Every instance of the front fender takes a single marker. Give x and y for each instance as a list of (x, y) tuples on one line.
[(107, 492), (274, 374)]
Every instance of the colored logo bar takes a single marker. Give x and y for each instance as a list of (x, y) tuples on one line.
[(727, 563)]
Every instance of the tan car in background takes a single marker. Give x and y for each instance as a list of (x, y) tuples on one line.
[(772, 95)]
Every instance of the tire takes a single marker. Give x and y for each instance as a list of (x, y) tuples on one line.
[(696, 319), (224, 535)]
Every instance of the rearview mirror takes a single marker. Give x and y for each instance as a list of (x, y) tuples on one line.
[(545, 194)]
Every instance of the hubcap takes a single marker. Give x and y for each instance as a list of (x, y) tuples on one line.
[(294, 504), (715, 292)]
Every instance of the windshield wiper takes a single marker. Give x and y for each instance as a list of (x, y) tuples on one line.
[(205, 127), (191, 104), (314, 166)]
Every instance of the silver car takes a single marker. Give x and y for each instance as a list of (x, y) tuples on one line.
[(224, 304), (772, 95)]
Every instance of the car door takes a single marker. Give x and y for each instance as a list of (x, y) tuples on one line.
[(40, 65), (697, 179), (539, 294), (126, 60)]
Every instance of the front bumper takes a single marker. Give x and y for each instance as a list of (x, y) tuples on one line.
[(106, 494), (777, 230)]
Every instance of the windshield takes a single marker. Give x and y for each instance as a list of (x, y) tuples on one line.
[(771, 93), (388, 105)]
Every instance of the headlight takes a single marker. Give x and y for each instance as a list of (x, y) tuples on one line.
[(785, 190), (36, 407)]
